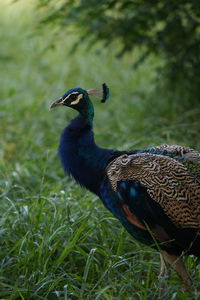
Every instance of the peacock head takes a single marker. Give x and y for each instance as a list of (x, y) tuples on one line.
[(79, 99)]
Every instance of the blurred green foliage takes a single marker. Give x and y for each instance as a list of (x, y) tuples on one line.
[(168, 29)]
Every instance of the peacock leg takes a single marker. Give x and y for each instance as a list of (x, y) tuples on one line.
[(163, 267), (163, 276), (178, 265)]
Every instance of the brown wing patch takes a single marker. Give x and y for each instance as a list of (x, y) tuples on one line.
[(132, 218), (167, 181), (177, 150), (187, 156)]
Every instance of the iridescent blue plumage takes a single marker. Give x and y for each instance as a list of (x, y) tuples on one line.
[(75, 90), (81, 157)]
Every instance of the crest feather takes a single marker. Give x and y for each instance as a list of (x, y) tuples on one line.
[(102, 92)]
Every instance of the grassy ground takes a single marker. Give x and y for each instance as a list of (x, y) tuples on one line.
[(57, 240)]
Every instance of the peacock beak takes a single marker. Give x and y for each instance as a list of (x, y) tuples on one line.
[(57, 103)]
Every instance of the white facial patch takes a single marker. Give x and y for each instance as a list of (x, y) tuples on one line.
[(74, 93), (77, 100)]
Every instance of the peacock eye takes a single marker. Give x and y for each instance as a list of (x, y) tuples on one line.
[(73, 97)]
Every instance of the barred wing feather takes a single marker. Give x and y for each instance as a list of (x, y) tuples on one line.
[(168, 181)]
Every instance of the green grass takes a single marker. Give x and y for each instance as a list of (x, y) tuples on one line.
[(57, 240)]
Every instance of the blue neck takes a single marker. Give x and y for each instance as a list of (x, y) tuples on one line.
[(81, 157)]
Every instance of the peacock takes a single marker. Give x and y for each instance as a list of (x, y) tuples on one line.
[(153, 192)]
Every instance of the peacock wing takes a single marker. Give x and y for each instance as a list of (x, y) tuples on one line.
[(168, 182), (187, 156)]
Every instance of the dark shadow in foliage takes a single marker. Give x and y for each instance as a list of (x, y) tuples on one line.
[(169, 29)]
